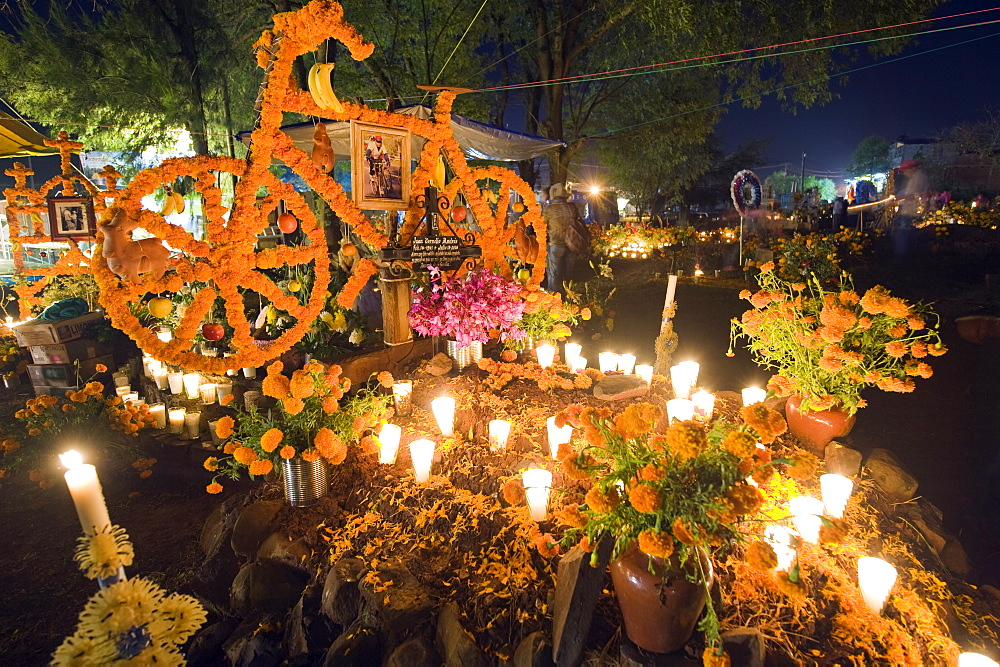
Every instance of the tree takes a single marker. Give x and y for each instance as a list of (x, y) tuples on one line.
[(826, 187), (870, 157)]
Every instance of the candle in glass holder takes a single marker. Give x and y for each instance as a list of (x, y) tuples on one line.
[(753, 395), (250, 373), (165, 336), (402, 397), (607, 361), (232, 372), (176, 418), (537, 482), (160, 378), (681, 409), (546, 353), (175, 381), (131, 398), (626, 362), (684, 377), (704, 404), (443, 408), (159, 413), (876, 579), (557, 436), (251, 399), (216, 440), (122, 390), (645, 372), (388, 439), (422, 455), (836, 489), (499, 432), (192, 425), (578, 364), (120, 379), (207, 392), (780, 539), (222, 390), (85, 488), (572, 351), (975, 660), (192, 384), (806, 512)]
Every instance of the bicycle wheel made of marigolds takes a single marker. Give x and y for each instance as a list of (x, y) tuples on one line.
[(223, 272)]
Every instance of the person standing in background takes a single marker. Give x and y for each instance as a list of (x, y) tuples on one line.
[(559, 258), (913, 197)]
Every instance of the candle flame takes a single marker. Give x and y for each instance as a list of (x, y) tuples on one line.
[(71, 459)]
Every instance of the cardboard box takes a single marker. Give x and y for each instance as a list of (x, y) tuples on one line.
[(67, 353), (50, 333), (64, 375)]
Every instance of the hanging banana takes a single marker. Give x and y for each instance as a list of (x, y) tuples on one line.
[(170, 203), (321, 89)]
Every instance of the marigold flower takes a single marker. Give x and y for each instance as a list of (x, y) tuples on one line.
[(585, 313), (330, 405), (213, 488), (513, 492), (875, 300), (652, 473), (271, 439), (230, 447), (276, 386), (761, 556), (546, 545), (602, 501), (224, 427), (100, 368), (766, 422), (301, 385), (915, 322), (310, 455), (686, 439), (924, 370), (644, 498), (767, 267), (637, 419), (34, 431), (261, 467), (760, 299), (385, 379), (227, 399), (287, 452), (898, 330), (571, 516), (711, 657), (292, 405), (896, 307), (211, 464), (781, 386), (657, 545), (936, 350), (803, 465), (244, 455), (683, 533), (574, 467), (745, 498), (740, 444), (896, 349)]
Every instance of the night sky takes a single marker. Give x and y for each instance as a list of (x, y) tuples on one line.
[(917, 96)]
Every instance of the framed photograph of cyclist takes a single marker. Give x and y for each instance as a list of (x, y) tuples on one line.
[(380, 166), (72, 218)]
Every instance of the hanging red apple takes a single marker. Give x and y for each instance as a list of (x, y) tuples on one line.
[(458, 213), (287, 223), (212, 331)]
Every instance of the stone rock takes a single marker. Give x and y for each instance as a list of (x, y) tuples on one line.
[(402, 608), (456, 645), (341, 598), (620, 387), (926, 518), (745, 646), (992, 591), (955, 559), (250, 645), (216, 529), (842, 460), (279, 547), (357, 646), (253, 525), (535, 650), (215, 576), (577, 587), (977, 329), (205, 649), (308, 633), (889, 475), (414, 652), (266, 587), (440, 364)]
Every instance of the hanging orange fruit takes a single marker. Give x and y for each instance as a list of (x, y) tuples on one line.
[(458, 213), (160, 307), (287, 223), (349, 249), (518, 207)]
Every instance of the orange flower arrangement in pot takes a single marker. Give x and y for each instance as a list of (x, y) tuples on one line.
[(826, 346), (309, 429)]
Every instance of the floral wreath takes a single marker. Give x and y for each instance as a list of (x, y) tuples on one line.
[(740, 181)]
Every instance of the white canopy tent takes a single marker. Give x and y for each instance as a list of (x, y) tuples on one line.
[(478, 140)]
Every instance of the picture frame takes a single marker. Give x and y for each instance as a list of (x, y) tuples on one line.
[(72, 218), (380, 183)]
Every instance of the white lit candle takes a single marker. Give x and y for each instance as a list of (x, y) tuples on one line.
[(131, 398), (207, 391), (499, 432), (175, 381), (223, 389), (876, 579), (402, 396), (704, 404), (780, 539), (645, 372), (123, 390), (753, 395), (159, 414), (165, 336), (216, 440), (572, 351), (608, 362), (557, 436), (85, 488), (806, 512), (250, 373), (251, 399), (422, 455), (546, 353), (192, 425), (388, 439), (192, 384), (680, 409), (836, 490), (160, 378), (232, 372), (684, 377), (626, 362), (176, 417), (578, 364), (443, 408), (537, 482), (975, 660)]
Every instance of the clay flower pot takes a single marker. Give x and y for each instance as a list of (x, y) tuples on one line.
[(817, 429), (660, 608)]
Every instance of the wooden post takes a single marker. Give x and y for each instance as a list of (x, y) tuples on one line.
[(666, 341), (395, 308)]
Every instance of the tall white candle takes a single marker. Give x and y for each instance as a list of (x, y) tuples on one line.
[(422, 455), (608, 362), (780, 539), (192, 383), (645, 372), (626, 362), (671, 289), (388, 439), (571, 352), (401, 397), (753, 395), (537, 482), (836, 489), (207, 392), (85, 488), (223, 389), (176, 417), (192, 425), (499, 432), (806, 512), (975, 660), (557, 436), (876, 579), (546, 353), (680, 409), (123, 389), (176, 382), (704, 404), (160, 378), (684, 377), (578, 364), (159, 413), (443, 408)]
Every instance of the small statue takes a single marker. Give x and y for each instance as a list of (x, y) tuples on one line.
[(322, 154), (128, 259)]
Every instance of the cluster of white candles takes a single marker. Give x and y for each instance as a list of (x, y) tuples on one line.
[(687, 405)]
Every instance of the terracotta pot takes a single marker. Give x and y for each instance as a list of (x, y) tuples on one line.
[(660, 608), (817, 429)]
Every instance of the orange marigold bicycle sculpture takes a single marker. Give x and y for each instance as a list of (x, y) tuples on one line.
[(228, 262)]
